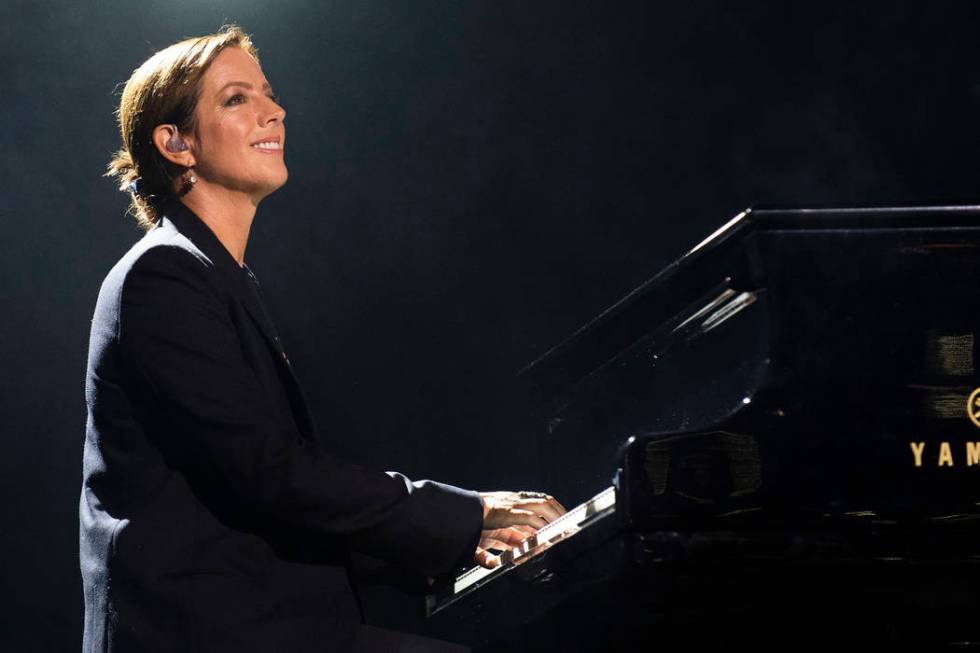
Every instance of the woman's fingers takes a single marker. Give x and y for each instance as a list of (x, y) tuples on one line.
[(526, 531), (510, 518), (504, 516), (554, 502), (507, 537), (486, 559), (523, 517), (533, 509), (493, 543), (547, 508)]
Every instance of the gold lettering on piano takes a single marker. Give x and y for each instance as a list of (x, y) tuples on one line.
[(972, 454), (917, 448), (945, 455), (973, 407)]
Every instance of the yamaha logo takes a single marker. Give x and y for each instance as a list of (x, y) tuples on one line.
[(973, 407), (945, 456)]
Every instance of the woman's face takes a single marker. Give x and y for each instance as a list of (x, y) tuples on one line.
[(239, 137)]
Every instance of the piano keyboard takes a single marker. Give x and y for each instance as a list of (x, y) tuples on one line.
[(565, 526)]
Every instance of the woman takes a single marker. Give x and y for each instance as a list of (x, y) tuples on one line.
[(212, 516)]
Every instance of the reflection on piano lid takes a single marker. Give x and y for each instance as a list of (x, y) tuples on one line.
[(791, 412)]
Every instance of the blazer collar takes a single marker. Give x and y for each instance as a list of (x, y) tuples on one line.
[(200, 234), (240, 279)]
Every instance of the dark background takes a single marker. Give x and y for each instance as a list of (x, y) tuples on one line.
[(469, 183)]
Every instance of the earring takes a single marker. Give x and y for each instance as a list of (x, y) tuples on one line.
[(187, 181)]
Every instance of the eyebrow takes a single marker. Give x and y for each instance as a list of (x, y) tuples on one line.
[(266, 86)]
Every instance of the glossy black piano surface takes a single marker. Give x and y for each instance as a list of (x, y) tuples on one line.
[(786, 413)]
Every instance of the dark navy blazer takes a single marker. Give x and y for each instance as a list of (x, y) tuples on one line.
[(212, 516)]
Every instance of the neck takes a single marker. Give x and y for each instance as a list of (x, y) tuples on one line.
[(229, 215)]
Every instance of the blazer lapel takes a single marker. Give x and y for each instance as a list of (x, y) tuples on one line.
[(246, 288), (256, 309), (237, 278)]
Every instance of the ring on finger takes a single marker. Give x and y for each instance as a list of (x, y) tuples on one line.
[(532, 495)]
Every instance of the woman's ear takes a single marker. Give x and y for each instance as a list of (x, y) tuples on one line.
[(172, 146)]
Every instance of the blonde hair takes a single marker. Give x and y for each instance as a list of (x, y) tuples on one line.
[(164, 90)]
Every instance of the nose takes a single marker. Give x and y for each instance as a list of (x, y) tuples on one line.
[(272, 112)]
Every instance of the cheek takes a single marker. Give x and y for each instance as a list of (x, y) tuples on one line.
[(222, 142), (224, 137)]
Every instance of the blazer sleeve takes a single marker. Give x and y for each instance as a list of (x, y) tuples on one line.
[(181, 349)]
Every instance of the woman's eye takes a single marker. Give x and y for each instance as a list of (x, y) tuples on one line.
[(275, 98), (237, 98)]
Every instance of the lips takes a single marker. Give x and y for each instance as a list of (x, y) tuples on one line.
[(271, 144)]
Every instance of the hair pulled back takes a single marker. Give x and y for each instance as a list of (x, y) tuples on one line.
[(163, 90)]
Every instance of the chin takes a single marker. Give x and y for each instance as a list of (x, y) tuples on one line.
[(271, 185)]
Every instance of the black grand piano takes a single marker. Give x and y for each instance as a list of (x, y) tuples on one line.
[(774, 442)]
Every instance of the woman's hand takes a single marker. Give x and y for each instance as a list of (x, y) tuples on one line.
[(509, 518)]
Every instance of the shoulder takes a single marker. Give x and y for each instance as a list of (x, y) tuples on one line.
[(163, 249), (160, 264)]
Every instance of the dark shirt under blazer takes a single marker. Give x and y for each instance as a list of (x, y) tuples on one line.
[(212, 517)]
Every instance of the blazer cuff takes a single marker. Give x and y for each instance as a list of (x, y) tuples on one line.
[(459, 514)]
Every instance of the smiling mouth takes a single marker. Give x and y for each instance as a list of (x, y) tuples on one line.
[(268, 146)]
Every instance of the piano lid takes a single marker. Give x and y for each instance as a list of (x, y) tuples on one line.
[(665, 295), (864, 316)]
